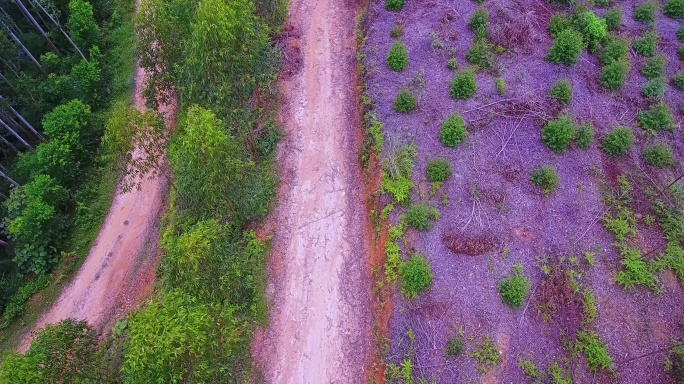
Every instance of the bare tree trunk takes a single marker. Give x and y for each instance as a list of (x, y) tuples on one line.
[(37, 3), (9, 144), (4, 176), (7, 82), (35, 24), (21, 118), (23, 48), (7, 127)]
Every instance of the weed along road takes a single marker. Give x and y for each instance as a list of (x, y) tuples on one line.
[(319, 326)]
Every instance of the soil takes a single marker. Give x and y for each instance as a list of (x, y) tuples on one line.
[(319, 291), (493, 218), (119, 272)]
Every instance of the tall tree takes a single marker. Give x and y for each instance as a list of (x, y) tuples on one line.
[(54, 21), (15, 134)]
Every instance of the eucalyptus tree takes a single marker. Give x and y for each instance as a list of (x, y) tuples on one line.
[(35, 24), (52, 18), (10, 28)]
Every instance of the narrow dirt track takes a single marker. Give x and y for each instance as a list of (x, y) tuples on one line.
[(120, 268), (319, 329)]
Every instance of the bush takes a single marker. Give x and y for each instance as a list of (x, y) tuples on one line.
[(451, 64), (618, 141), (478, 22), (613, 18), (420, 217), (530, 370), (656, 118), (396, 172), (593, 29), (674, 9), (658, 156), (546, 178), (654, 67), (645, 13), (416, 276), (613, 75), (438, 170), (394, 5), (646, 45), (615, 49), (455, 347), (405, 102), (481, 54), (680, 53), (654, 89), (559, 22), (558, 133), (463, 86), (453, 131), (584, 135), (595, 351), (562, 91), (680, 34), (396, 31), (397, 58), (514, 289), (500, 86), (678, 81), (566, 48)]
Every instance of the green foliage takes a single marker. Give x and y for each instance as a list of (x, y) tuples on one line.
[(558, 375), (396, 176), (617, 142), (654, 67), (420, 217), (672, 258), (178, 339), (394, 5), (613, 75), (677, 363), (405, 102), (584, 135), (81, 24), (674, 9), (678, 81), (588, 307), (451, 64), (397, 58), (416, 276), (463, 86), (396, 32), (645, 13), (500, 86), (558, 133), (613, 19), (453, 130), (17, 302), (592, 28), (566, 47), (455, 346), (622, 224), (635, 270), (646, 45), (479, 22), (481, 54), (530, 370), (514, 289), (680, 34), (66, 124), (615, 49), (559, 22), (438, 170), (658, 156), (546, 178), (680, 53), (654, 89), (486, 355), (595, 351), (562, 91), (657, 118)]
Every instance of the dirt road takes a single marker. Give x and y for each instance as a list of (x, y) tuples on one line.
[(120, 268), (320, 311)]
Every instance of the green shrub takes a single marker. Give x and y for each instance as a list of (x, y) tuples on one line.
[(678, 81), (562, 91), (559, 22), (479, 22), (618, 141), (500, 86), (677, 363), (481, 54), (680, 34), (680, 53), (613, 18), (438, 170), (451, 64), (558, 133), (588, 307), (674, 9), (463, 86), (530, 370), (654, 67), (654, 89), (593, 29), (420, 217), (514, 289), (396, 172), (455, 347), (566, 48), (546, 178), (600, 3), (453, 131), (645, 13), (614, 49), (658, 155), (416, 276), (584, 135), (396, 32), (621, 224), (646, 45), (487, 354), (405, 102), (595, 351), (394, 5), (397, 58), (613, 75), (656, 118)]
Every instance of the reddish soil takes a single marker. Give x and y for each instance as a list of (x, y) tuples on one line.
[(495, 160), (319, 291), (119, 272)]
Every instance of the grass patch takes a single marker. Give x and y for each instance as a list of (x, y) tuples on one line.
[(514, 289), (594, 350), (486, 355), (479, 22), (416, 276), (396, 172), (500, 86), (394, 5), (481, 54), (455, 347), (546, 178), (636, 271)]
